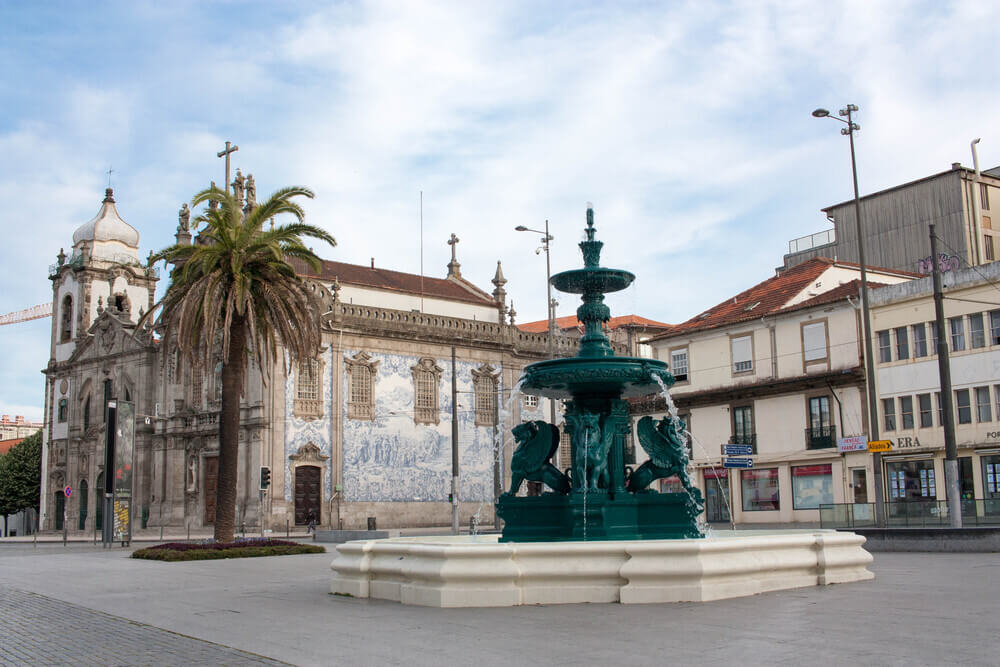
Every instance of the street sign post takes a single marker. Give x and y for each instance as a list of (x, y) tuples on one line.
[(737, 462), (879, 446), (737, 450)]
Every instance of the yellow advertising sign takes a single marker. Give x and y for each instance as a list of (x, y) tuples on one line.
[(880, 445)]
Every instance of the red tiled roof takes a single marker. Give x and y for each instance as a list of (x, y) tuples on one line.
[(570, 322), (7, 445), (771, 295), (396, 281)]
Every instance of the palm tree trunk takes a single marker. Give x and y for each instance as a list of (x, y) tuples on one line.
[(229, 433)]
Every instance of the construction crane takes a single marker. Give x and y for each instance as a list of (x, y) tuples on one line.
[(33, 313)]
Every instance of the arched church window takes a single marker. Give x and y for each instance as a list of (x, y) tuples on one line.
[(309, 389), (484, 382), (86, 413), (66, 327), (361, 396), (426, 380), (63, 409), (217, 383), (196, 386)]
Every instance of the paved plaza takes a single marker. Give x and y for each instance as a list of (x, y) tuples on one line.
[(83, 605)]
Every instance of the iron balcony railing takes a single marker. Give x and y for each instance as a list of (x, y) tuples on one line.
[(910, 513), (821, 437), (744, 439)]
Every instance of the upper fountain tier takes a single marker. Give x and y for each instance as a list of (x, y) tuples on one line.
[(595, 372)]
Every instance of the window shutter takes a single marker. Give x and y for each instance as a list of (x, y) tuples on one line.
[(814, 341)]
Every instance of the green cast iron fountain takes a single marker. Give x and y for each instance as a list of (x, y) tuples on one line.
[(599, 497)]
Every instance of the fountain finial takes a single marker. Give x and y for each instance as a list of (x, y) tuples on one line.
[(590, 222)]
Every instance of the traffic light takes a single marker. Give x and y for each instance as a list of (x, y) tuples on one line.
[(265, 477)]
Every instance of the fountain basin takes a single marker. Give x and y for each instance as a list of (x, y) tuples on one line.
[(478, 571), (592, 279), (601, 377)]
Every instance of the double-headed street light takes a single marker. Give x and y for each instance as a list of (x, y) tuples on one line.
[(546, 237), (550, 304), (851, 128)]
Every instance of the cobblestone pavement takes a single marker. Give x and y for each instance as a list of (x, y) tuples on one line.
[(37, 630)]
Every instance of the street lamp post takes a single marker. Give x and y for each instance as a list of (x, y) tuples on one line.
[(546, 238), (851, 128)]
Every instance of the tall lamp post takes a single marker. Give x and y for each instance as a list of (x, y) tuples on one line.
[(851, 128), (546, 238)]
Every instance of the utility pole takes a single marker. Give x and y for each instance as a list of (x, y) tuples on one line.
[(454, 444), (953, 490)]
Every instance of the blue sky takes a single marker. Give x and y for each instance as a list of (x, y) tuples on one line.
[(686, 123)]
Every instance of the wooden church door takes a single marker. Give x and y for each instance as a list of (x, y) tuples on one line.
[(211, 484), (307, 495)]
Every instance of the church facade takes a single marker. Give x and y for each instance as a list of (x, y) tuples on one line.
[(413, 371)]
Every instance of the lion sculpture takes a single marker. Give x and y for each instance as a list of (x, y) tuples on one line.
[(663, 441), (537, 441)]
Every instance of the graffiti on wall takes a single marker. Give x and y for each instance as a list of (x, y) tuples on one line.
[(945, 263)]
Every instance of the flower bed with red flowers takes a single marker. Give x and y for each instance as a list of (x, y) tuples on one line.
[(175, 551)]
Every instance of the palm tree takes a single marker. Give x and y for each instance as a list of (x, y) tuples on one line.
[(235, 287)]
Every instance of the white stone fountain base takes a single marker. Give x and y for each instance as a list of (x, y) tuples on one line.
[(463, 571)]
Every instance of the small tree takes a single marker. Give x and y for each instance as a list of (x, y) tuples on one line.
[(236, 285), (21, 475)]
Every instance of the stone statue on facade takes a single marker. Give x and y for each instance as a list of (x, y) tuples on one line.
[(184, 218), (192, 473), (238, 184), (251, 192)]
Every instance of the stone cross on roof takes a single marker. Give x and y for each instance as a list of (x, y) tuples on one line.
[(454, 268)]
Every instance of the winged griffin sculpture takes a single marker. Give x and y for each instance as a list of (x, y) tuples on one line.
[(663, 441), (537, 441)]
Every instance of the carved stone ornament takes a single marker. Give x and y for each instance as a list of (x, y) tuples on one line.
[(63, 386), (108, 338), (309, 453)]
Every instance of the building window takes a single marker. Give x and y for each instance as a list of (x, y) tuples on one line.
[(484, 382), (984, 411), (957, 326), (988, 247), (814, 342), (926, 416), (911, 480), (902, 344), (906, 412), (426, 383), (934, 337), (679, 364), (821, 432), (530, 402), (743, 429), (977, 334), (940, 408), (996, 393), (919, 340), (888, 414), (995, 327), (742, 350), (66, 328), (964, 406), (884, 347), (991, 476), (760, 490), (362, 372), (984, 196), (63, 407), (812, 486), (308, 402)]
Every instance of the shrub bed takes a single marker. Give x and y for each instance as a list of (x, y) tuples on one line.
[(179, 551)]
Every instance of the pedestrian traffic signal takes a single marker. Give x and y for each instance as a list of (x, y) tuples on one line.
[(265, 478)]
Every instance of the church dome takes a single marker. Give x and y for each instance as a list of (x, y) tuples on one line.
[(107, 225)]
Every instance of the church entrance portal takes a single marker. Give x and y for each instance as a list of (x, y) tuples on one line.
[(307, 495), (60, 509), (211, 483)]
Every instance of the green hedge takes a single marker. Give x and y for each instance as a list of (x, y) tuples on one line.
[(212, 551)]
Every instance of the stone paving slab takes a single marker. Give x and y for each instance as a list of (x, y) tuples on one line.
[(922, 609), (38, 630)]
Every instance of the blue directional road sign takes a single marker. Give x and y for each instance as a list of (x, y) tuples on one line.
[(737, 450), (734, 462)]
